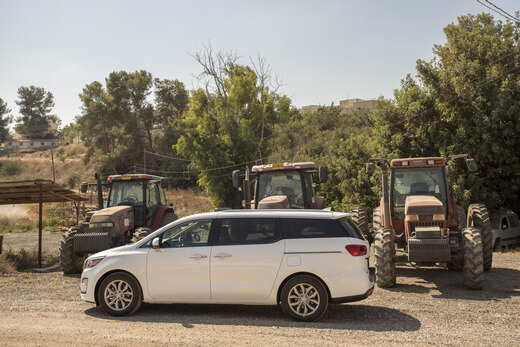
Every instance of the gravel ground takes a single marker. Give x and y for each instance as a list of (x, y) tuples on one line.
[(428, 306)]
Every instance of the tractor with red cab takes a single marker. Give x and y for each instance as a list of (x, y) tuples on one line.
[(282, 186), (419, 221)]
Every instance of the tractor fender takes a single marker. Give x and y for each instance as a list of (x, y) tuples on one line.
[(161, 211)]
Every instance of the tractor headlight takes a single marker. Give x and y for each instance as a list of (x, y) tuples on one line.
[(91, 262), (438, 217), (412, 218)]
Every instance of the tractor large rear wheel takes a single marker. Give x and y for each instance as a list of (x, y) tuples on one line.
[(384, 258), (167, 218), (69, 261), (376, 218), (360, 217), (478, 217), (473, 259)]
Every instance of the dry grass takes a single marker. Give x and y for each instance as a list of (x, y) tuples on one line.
[(69, 169), (188, 201), (24, 259)]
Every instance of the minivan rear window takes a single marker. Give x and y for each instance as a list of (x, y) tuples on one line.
[(303, 228), (352, 228)]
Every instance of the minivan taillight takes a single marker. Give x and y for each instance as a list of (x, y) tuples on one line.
[(356, 250)]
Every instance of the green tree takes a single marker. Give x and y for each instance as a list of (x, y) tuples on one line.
[(229, 121), (467, 101), (5, 120), (35, 107), (117, 120), (171, 102)]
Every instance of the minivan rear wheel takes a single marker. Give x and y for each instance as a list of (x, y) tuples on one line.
[(304, 298), (119, 294)]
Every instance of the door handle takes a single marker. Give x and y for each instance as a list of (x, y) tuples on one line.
[(198, 256), (223, 255)]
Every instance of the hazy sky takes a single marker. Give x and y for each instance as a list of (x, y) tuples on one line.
[(324, 51)]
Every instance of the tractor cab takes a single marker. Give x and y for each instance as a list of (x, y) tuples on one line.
[(419, 195), (287, 185), (144, 193)]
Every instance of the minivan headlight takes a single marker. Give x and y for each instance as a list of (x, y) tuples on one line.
[(91, 262)]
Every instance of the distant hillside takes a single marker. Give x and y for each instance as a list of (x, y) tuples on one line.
[(69, 169)]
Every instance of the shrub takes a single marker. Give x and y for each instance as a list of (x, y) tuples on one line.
[(24, 259), (6, 265), (11, 167)]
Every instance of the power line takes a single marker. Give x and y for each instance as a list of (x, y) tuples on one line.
[(499, 11)]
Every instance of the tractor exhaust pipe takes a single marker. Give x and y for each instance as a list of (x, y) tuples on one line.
[(99, 191), (370, 168)]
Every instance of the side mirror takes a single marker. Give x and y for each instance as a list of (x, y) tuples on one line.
[(164, 183), (235, 177), (370, 169), (84, 187), (471, 164), (324, 174), (155, 243)]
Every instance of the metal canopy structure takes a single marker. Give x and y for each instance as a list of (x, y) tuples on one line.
[(38, 192), (28, 192)]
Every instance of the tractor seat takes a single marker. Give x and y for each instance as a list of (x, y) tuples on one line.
[(419, 187)]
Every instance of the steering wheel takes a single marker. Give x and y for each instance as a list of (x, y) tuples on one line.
[(131, 198)]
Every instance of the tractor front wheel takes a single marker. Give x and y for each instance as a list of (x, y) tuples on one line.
[(69, 261), (478, 217), (384, 258), (473, 259)]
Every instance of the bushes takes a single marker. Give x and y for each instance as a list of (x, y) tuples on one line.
[(24, 259), (10, 167)]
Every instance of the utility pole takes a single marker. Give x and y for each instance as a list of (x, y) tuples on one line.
[(53, 173)]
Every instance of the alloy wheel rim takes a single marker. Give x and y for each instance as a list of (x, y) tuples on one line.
[(304, 299), (118, 295)]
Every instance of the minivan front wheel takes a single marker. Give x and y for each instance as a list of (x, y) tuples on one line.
[(119, 294), (304, 298)]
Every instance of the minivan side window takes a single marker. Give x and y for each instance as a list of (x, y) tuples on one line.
[(243, 231), (189, 234), (302, 228)]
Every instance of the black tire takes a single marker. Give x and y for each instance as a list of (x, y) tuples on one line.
[(478, 217), (138, 235), (304, 298), (69, 261), (167, 218), (360, 217), (384, 258), (376, 218), (473, 258), (119, 294)]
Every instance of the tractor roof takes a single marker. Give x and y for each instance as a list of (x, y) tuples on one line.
[(134, 177), (284, 166), (418, 162)]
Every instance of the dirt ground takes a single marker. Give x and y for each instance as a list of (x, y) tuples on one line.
[(428, 306)]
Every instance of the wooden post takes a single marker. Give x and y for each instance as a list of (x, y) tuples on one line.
[(40, 227)]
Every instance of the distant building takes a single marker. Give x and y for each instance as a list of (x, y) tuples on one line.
[(309, 109), (30, 144), (348, 105)]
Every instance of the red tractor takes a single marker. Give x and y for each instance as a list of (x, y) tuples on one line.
[(419, 217), (135, 207), (287, 185)]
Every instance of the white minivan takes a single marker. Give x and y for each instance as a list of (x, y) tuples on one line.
[(300, 259)]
